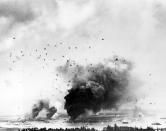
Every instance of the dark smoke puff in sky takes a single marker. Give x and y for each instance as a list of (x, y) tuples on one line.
[(43, 105), (96, 87)]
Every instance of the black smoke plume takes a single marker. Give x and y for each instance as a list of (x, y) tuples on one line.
[(95, 87), (43, 105)]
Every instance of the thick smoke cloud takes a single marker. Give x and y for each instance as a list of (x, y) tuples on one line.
[(96, 87), (44, 106)]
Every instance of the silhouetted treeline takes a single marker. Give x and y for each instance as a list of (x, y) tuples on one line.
[(108, 128)]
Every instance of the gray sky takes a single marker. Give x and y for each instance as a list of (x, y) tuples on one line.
[(36, 36)]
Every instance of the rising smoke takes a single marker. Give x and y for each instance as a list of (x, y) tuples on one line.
[(96, 87), (43, 106)]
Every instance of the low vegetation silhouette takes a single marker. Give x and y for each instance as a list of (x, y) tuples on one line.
[(108, 128)]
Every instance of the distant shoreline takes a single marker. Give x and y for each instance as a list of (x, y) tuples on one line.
[(108, 128)]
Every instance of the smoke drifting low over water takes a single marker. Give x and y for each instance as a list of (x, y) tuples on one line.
[(96, 87), (43, 109)]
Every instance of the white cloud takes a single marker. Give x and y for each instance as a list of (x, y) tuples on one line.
[(70, 14), (13, 14)]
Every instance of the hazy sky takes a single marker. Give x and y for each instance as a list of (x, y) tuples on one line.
[(36, 36)]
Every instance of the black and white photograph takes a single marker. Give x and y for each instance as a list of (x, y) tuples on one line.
[(82, 65)]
